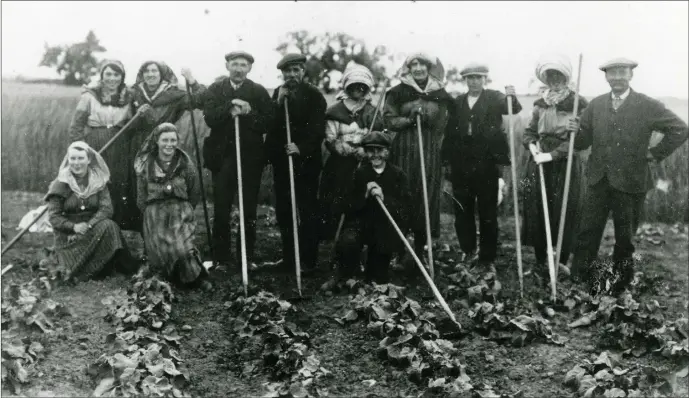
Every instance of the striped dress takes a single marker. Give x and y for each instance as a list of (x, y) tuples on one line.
[(167, 200), (88, 254), (404, 151)]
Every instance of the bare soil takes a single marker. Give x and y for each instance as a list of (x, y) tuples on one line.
[(215, 357)]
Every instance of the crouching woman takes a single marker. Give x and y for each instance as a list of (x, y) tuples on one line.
[(367, 223), (88, 243), (168, 192)]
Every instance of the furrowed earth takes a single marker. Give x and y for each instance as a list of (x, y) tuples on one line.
[(508, 347)]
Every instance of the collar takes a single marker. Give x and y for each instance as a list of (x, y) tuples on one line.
[(472, 96), (236, 86), (623, 96), (379, 170)]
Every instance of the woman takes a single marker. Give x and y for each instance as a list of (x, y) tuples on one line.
[(162, 101), (168, 193), (548, 129), (347, 122), (101, 112), (87, 242), (421, 92)]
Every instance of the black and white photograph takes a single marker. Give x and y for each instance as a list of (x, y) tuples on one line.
[(294, 199)]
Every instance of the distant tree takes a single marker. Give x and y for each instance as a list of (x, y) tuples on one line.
[(452, 75), (333, 51), (74, 62)]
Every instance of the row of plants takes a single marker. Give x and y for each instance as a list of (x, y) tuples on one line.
[(607, 377), (141, 356), (412, 339), (26, 307), (634, 328), (263, 323)]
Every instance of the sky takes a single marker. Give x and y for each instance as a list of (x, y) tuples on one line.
[(509, 37)]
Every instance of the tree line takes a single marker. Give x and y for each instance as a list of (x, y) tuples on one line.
[(328, 52)]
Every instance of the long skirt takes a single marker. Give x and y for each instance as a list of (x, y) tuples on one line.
[(336, 181), (169, 227), (120, 161), (89, 253), (404, 153), (533, 221)]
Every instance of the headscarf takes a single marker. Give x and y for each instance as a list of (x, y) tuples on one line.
[(149, 149), (436, 73), (355, 73), (98, 172), (167, 79), (552, 98), (122, 97), (561, 64)]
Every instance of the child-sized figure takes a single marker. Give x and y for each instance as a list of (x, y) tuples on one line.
[(365, 220)]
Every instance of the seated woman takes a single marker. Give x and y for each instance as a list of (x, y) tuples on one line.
[(88, 243), (168, 192)]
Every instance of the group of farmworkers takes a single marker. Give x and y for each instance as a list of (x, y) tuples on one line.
[(347, 158)]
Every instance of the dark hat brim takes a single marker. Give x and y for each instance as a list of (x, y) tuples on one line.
[(291, 59)]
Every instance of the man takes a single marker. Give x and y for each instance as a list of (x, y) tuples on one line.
[(474, 148), (235, 96), (307, 128), (618, 127)]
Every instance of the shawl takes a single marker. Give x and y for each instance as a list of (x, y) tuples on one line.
[(340, 112), (566, 104), (404, 93), (157, 172), (167, 91), (98, 172), (149, 148), (121, 98), (436, 73)]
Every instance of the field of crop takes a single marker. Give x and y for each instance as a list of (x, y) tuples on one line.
[(137, 336), (124, 337), (35, 118)]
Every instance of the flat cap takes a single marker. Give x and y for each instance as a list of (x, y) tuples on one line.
[(291, 59), (474, 69), (239, 54), (618, 62), (377, 139)]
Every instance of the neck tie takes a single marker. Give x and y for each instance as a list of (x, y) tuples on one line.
[(616, 102)]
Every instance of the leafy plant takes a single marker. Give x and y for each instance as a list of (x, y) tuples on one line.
[(29, 305), (490, 321), (475, 288), (285, 349), (410, 339), (635, 328), (18, 359), (140, 362), (606, 377), (142, 358), (148, 304)]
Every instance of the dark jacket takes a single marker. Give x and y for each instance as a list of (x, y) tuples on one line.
[(307, 125), (373, 224), (488, 140), (619, 139), (217, 104)]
